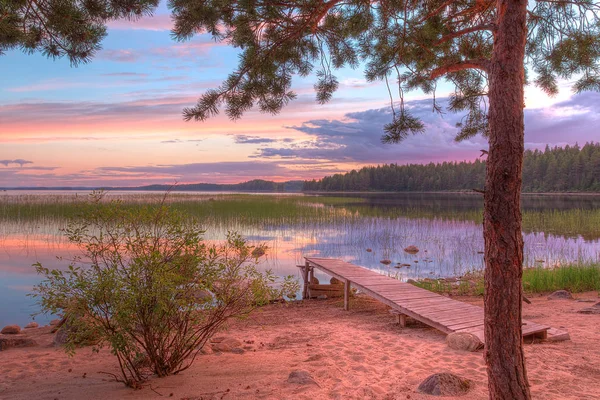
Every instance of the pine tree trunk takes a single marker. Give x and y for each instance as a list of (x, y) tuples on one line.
[(507, 378)]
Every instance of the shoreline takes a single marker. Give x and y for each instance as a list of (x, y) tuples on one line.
[(356, 354), (266, 192), (468, 192)]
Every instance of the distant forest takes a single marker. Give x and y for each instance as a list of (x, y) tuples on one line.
[(558, 169), (256, 185)]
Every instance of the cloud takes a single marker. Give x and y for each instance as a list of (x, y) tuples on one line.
[(573, 120), (245, 139), (231, 169), (72, 111), (174, 141), (357, 136), (158, 22), (114, 80), (358, 83), (212, 172), (18, 161), (191, 51), (126, 74), (120, 55)]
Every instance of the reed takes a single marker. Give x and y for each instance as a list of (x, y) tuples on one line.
[(574, 278)]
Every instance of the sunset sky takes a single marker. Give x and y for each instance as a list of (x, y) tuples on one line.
[(117, 120)]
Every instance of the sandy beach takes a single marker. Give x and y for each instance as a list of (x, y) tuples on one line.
[(356, 354)]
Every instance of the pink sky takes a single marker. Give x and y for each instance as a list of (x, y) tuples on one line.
[(117, 120)]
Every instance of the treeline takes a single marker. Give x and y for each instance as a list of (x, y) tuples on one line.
[(256, 185), (558, 169)]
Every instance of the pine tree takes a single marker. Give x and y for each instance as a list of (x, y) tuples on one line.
[(63, 28), (479, 46), (541, 173)]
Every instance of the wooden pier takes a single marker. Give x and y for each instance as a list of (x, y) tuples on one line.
[(406, 300)]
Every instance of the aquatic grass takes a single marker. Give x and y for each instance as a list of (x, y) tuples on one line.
[(250, 209), (574, 278)]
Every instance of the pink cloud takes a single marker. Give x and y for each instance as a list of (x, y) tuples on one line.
[(160, 22), (181, 51), (122, 55)]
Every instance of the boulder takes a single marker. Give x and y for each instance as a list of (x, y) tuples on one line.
[(17, 341), (444, 384), (386, 262), (11, 330), (301, 378), (411, 249), (32, 324), (55, 322), (67, 332), (369, 250), (463, 341), (226, 345), (258, 252), (61, 337), (202, 296), (560, 295), (335, 281), (595, 309)]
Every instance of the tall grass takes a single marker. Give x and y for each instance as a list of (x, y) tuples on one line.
[(574, 278), (253, 209)]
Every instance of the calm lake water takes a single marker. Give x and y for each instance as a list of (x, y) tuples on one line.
[(445, 227)]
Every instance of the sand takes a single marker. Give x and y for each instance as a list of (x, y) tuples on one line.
[(358, 354)]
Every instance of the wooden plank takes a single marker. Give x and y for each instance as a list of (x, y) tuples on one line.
[(453, 304), (408, 297), (477, 331), (465, 324), (420, 301), (454, 310), (386, 282), (533, 328), (449, 319), (398, 287)]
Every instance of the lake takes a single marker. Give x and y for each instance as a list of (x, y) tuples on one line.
[(447, 228)]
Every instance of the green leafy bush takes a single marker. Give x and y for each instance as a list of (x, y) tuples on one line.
[(147, 286)]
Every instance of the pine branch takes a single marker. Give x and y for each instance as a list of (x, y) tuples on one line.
[(481, 64), (487, 27)]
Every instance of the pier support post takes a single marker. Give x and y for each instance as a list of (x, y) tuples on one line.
[(306, 281), (402, 320), (346, 295)]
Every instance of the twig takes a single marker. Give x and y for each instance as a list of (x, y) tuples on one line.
[(111, 374), (151, 388)]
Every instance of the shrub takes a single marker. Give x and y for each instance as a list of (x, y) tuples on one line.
[(147, 286)]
